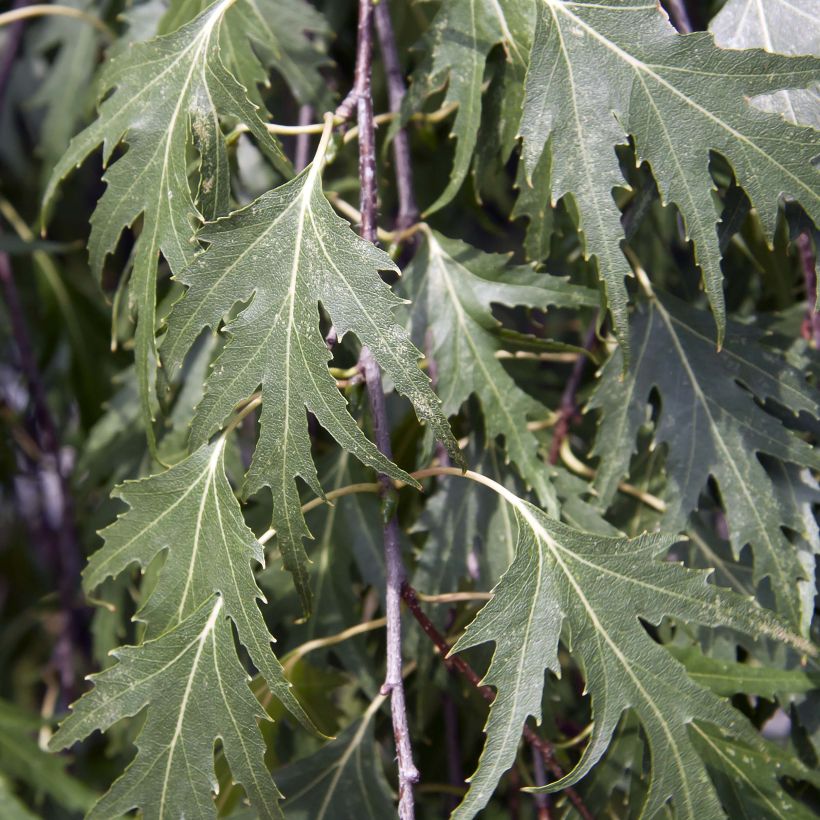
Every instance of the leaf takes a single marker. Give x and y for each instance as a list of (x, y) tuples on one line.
[(791, 27), (596, 589), (10, 806), (459, 41), (454, 287), (678, 97), (712, 426), (196, 691), (747, 777), (286, 35), (162, 91), (22, 759), (728, 678), (190, 514), (289, 251), (343, 779)]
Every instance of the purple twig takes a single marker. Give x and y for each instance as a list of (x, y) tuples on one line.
[(301, 155), (809, 263), (679, 16), (394, 567), (408, 208)]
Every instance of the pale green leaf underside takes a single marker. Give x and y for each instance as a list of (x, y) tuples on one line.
[(460, 39), (782, 26), (190, 515), (712, 427), (592, 590), (453, 287), (164, 91), (678, 96), (196, 691), (288, 252)]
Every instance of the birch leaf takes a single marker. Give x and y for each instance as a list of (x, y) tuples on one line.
[(287, 252), (454, 286), (159, 94), (791, 27), (593, 590), (460, 39), (189, 513), (712, 426), (196, 691), (600, 71)]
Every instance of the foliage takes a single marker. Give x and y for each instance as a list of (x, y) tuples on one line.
[(595, 469)]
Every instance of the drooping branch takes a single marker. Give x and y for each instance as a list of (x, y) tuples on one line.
[(394, 567)]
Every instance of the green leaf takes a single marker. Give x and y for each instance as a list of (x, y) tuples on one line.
[(596, 589), (728, 678), (190, 514), (712, 426), (460, 39), (196, 691), (162, 92), (10, 806), (22, 759), (602, 70), (453, 287), (290, 252), (286, 34), (343, 779), (791, 27), (747, 777)]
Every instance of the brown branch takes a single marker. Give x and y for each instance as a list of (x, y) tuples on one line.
[(456, 662), (809, 265)]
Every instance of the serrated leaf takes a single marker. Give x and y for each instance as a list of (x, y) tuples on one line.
[(747, 777), (290, 252), (343, 779), (162, 91), (791, 27), (678, 97), (596, 589), (712, 426), (460, 39), (189, 513), (728, 678), (196, 691), (453, 287), (285, 33)]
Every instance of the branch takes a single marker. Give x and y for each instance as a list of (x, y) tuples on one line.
[(394, 575), (23, 13), (809, 265), (457, 663)]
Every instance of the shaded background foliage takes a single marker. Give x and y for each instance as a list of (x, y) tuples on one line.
[(59, 467)]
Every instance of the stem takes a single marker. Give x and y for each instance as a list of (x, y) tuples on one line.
[(408, 208), (569, 406), (809, 264), (457, 663), (42, 10), (679, 16), (394, 567), (302, 153)]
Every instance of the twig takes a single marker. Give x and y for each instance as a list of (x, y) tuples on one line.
[(568, 407), (302, 154), (394, 567), (408, 208), (542, 801), (809, 264), (44, 9), (458, 663), (679, 16)]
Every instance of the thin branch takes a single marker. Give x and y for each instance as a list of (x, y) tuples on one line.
[(12, 45), (457, 663), (394, 567), (568, 407), (809, 265), (679, 16), (408, 208), (301, 156), (44, 10)]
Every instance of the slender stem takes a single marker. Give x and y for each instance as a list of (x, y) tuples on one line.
[(41, 10), (809, 264), (457, 663), (542, 801), (679, 16), (302, 153), (408, 208), (569, 405), (394, 567)]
